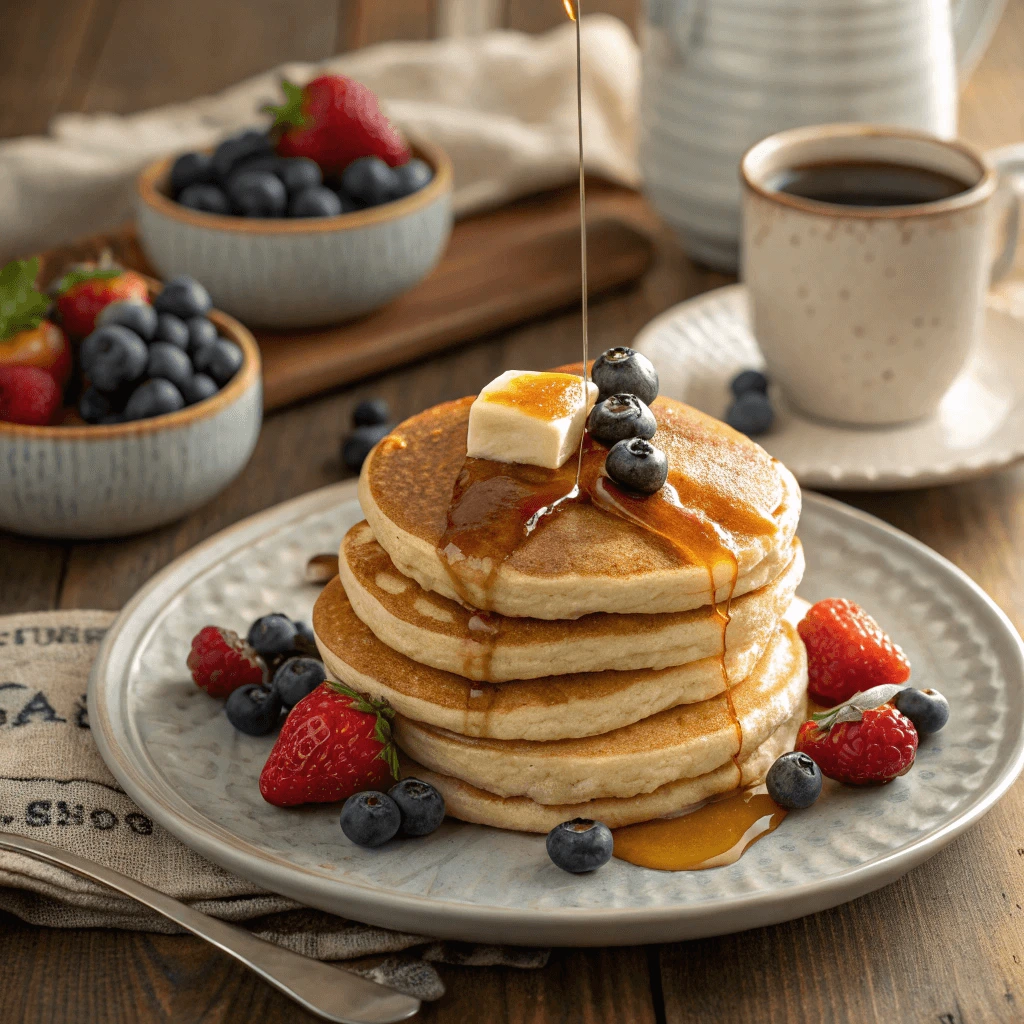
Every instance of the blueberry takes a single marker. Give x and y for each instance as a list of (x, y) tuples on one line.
[(272, 634), (306, 632), (201, 333), (155, 397), (421, 807), (139, 317), (348, 204), (244, 146), (297, 678), (253, 709), (257, 194), (172, 330), (221, 360), (749, 380), (270, 162), (411, 177), (370, 819), (114, 356), (94, 406), (620, 417), (205, 199), (794, 781), (371, 412), (184, 297), (751, 414), (315, 201), (357, 445), (170, 362), (299, 173), (198, 388), (305, 641), (369, 180), (927, 709), (637, 465), (620, 370), (191, 169), (580, 845)]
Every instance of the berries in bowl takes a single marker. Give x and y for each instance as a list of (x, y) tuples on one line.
[(145, 419), (327, 215)]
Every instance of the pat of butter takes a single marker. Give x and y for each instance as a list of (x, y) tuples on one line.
[(529, 417)]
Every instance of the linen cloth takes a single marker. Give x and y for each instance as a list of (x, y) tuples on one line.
[(502, 104), (55, 787)]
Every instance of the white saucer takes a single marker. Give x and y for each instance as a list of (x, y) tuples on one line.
[(174, 752), (700, 345)]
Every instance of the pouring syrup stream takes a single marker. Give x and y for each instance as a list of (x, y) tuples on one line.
[(495, 507)]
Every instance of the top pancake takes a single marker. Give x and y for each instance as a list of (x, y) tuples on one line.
[(586, 559)]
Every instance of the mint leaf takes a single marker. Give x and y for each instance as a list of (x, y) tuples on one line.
[(853, 709), (22, 305)]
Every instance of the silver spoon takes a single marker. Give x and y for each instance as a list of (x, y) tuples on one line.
[(330, 992)]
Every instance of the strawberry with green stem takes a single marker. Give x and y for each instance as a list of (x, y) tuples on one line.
[(334, 743), (85, 290), (334, 120), (27, 337)]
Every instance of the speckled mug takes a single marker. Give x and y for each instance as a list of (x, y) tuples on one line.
[(866, 315)]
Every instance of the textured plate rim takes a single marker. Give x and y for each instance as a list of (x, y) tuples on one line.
[(836, 477), (445, 919)]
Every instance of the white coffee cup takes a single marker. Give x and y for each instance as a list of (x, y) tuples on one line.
[(867, 314)]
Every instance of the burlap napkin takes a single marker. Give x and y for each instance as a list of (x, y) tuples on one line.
[(55, 787), (502, 104)]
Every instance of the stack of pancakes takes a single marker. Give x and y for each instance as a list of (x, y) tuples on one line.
[(599, 669)]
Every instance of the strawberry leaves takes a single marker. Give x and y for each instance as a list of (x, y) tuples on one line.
[(289, 114), (382, 730), (22, 306), (853, 709)]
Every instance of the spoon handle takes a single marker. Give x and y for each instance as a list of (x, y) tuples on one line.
[(330, 992)]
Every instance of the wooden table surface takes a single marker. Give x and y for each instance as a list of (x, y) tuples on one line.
[(945, 944)]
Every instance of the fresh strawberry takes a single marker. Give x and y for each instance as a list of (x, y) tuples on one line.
[(221, 661), (26, 337), (334, 743), (862, 742), (28, 395), (334, 120), (85, 290), (847, 652)]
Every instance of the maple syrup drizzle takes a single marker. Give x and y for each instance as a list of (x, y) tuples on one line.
[(714, 835), (495, 507)]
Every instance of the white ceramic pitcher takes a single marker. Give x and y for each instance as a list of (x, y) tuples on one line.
[(718, 75)]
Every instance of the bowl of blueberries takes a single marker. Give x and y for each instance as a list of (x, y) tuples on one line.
[(159, 411), (282, 244)]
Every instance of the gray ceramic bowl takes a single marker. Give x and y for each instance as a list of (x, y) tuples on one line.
[(109, 481), (286, 273)]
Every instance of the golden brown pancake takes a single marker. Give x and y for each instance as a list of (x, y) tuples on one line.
[(522, 814), (679, 743), (586, 559), (444, 634), (551, 708)]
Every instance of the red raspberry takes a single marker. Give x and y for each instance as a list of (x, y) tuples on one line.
[(28, 395), (869, 752), (221, 661), (847, 652)]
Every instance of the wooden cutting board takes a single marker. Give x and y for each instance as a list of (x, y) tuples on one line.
[(501, 268)]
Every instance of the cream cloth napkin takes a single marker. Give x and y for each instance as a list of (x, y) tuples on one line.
[(54, 786), (502, 104)]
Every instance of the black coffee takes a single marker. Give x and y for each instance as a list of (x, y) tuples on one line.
[(867, 184)]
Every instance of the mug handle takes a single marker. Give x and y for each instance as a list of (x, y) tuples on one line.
[(1009, 163)]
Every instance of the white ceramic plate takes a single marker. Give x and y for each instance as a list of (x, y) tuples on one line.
[(700, 345), (176, 755)]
